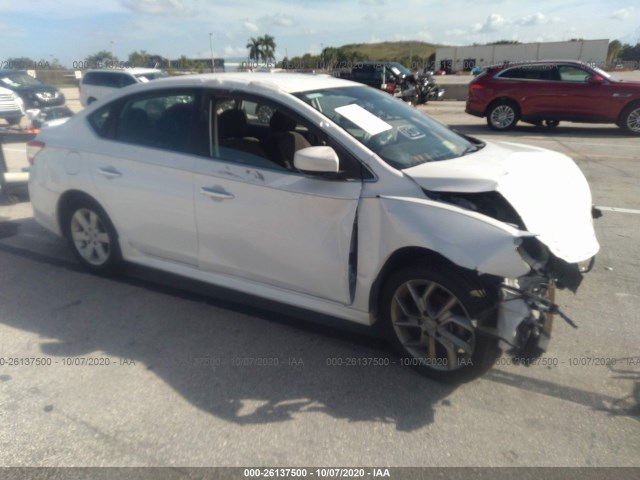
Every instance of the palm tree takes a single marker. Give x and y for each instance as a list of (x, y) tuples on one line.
[(254, 49), (268, 50)]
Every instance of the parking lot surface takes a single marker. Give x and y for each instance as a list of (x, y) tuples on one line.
[(148, 369)]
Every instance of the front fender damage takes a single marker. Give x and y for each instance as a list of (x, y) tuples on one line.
[(468, 239), (523, 315)]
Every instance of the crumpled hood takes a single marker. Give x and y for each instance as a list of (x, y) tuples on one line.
[(546, 188)]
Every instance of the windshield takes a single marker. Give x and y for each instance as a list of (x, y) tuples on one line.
[(398, 68), (19, 79), (401, 135)]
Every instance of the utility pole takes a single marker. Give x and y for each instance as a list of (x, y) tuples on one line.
[(213, 63)]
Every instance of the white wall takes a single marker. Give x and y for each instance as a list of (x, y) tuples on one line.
[(587, 50)]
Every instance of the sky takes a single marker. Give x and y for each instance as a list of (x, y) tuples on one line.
[(70, 30)]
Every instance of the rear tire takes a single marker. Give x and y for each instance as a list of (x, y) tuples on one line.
[(630, 119), (92, 237), (503, 115), (431, 314), (13, 120)]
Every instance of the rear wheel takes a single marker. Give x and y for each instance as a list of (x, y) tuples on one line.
[(431, 314), (630, 119), (503, 115), (92, 237), (14, 120)]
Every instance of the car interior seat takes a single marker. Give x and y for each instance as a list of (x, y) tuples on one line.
[(283, 141)]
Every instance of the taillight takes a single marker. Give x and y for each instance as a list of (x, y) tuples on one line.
[(477, 86), (34, 147)]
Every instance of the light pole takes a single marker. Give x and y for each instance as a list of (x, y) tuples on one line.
[(213, 64)]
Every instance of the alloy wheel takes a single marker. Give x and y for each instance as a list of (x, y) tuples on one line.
[(90, 237), (503, 116), (432, 325), (633, 121)]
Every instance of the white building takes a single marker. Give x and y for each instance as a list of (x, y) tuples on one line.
[(453, 59)]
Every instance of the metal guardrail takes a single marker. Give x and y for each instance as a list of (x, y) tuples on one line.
[(12, 183)]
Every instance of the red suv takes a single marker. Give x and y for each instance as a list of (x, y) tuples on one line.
[(548, 92)]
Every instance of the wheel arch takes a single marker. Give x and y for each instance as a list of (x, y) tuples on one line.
[(623, 110), (502, 99), (69, 198), (408, 256)]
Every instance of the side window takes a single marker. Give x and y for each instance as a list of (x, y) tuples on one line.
[(248, 131), (160, 120), (532, 72), (569, 73), (89, 79), (513, 73)]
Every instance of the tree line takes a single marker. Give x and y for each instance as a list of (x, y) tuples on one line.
[(262, 50)]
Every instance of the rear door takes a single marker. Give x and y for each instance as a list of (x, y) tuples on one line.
[(533, 87), (143, 171)]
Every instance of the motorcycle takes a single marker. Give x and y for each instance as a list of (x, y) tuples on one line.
[(428, 88)]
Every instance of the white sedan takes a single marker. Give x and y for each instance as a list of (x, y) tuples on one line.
[(347, 202)]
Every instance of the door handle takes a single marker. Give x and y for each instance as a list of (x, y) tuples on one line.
[(213, 193), (109, 172)]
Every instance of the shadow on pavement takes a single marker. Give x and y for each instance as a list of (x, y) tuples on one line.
[(216, 348)]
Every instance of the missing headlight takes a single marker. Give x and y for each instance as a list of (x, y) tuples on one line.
[(491, 204)]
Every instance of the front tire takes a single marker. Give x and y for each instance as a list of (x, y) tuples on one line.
[(431, 314), (503, 115), (92, 237), (630, 119)]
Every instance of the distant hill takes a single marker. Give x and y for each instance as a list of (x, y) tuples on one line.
[(404, 52), (413, 54)]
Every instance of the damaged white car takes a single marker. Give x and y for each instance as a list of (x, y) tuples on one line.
[(346, 202)]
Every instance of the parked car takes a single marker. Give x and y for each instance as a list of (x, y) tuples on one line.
[(551, 92), (95, 84), (347, 202), (11, 106), (33, 92)]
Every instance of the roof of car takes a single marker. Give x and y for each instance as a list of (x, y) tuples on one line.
[(133, 70), (287, 82), (534, 62)]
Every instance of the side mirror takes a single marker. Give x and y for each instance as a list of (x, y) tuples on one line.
[(317, 160), (596, 80)]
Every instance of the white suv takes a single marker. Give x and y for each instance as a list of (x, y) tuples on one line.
[(11, 106), (96, 84)]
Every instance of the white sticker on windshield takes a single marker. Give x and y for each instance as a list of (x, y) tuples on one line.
[(143, 79), (364, 119)]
